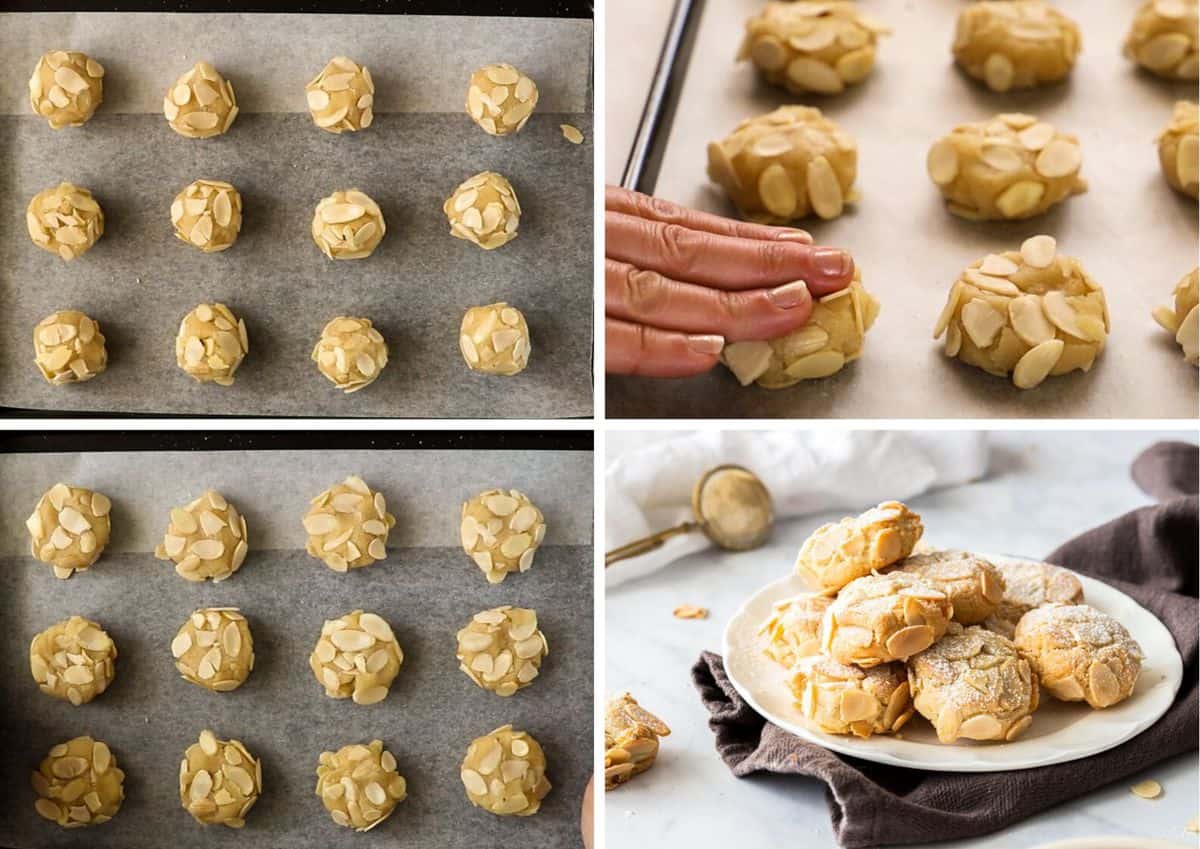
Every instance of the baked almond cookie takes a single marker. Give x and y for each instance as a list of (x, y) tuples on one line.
[(630, 740), (1179, 149), (837, 553), (1184, 320), (1163, 38), (1079, 653), (1010, 44), (1029, 584), (972, 584), (973, 683), (841, 699), (793, 630), (881, 618)]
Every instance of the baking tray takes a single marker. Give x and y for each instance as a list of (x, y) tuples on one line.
[(1135, 235)]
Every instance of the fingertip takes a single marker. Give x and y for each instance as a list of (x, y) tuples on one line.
[(710, 345), (834, 264)]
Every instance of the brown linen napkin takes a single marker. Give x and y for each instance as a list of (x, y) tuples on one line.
[(1150, 554)]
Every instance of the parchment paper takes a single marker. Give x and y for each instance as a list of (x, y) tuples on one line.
[(1134, 234), (139, 280), (426, 588)]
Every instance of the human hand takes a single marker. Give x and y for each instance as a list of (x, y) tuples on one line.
[(680, 283)]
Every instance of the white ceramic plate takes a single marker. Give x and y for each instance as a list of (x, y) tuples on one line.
[(1060, 731)]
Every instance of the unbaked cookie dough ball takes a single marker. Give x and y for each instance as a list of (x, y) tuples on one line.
[(73, 660), (1179, 149), (348, 525), (500, 99), (69, 347), (1163, 38), (65, 220), (484, 209), (495, 339), (832, 337), (69, 528), (66, 87), (79, 784), (505, 773), (211, 344), (1184, 320), (841, 699), (1079, 653), (812, 46), (786, 165), (837, 553), (348, 225), (501, 531), (219, 781), (208, 215), (1009, 167), (342, 96), (356, 657), (1030, 313), (214, 649), (972, 683), (359, 785), (1029, 584), (502, 649), (351, 353), (1009, 44), (201, 103), (793, 630), (882, 618), (972, 584), (207, 539)]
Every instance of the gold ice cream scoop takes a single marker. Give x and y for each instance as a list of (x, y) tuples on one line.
[(730, 504)]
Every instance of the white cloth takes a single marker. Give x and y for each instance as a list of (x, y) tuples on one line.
[(649, 489)]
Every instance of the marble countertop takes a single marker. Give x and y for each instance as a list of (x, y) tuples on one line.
[(1042, 487)]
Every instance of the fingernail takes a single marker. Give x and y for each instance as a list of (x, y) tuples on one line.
[(706, 344), (789, 295), (832, 263), (794, 236)]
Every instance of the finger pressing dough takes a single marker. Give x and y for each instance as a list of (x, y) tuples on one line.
[(200, 104), (66, 87), (1179, 149), (348, 525), (630, 740), (1184, 320), (79, 784), (786, 165), (207, 539), (342, 97), (812, 46), (348, 225), (837, 553), (1163, 38), (974, 684), (359, 785), (1011, 166), (1030, 313), (1010, 44), (351, 353), (219, 781), (214, 649), (65, 220), (793, 630), (495, 339), (484, 209), (208, 215), (356, 657), (500, 98), (69, 528), (832, 337), (972, 584), (1029, 584), (842, 699), (1079, 653), (505, 773), (211, 344), (502, 649), (501, 531), (881, 618), (73, 660), (69, 347)]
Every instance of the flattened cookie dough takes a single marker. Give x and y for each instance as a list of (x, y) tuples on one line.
[(841, 699), (1183, 322), (219, 781), (973, 585), (504, 773), (357, 657), (1079, 653), (502, 649), (882, 618), (69, 528), (1179, 149), (1011, 166), (973, 683), (207, 539), (214, 649), (66, 87), (207, 215), (1012, 44), (211, 344), (351, 353), (359, 785), (500, 99), (1030, 313), (1029, 584), (812, 46), (200, 104), (630, 740), (1163, 38), (495, 339), (833, 336), (484, 210), (73, 660), (837, 553), (348, 525), (793, 630), (64, 220), (79, 784), (501, 531), (69, 347), (342, 97), (786, 165), (348, 225)]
